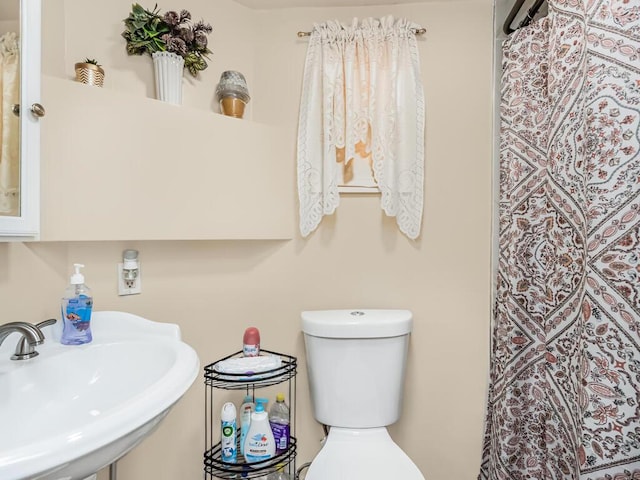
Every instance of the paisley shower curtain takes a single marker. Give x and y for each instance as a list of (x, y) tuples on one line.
[(9, 125), (564, 396)]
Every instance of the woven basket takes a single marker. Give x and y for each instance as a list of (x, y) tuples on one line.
[(90, 74)]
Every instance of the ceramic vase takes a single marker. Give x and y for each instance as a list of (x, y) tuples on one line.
[(169, 69), (232, 93)]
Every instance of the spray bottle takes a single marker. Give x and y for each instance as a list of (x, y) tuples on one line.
[(228, 433)]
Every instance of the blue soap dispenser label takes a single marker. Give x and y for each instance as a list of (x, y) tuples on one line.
[(79, 312)]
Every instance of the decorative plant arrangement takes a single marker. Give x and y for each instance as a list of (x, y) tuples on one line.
[(148, 32), (90, 72)]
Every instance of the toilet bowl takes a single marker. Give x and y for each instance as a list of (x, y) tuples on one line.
[(356, 363), (368, 453)]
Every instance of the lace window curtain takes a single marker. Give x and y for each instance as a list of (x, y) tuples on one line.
[(9, 125), (362, 97)]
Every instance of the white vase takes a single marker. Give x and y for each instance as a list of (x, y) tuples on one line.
[(169, 68)]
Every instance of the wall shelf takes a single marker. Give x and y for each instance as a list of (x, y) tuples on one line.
[(158, 172)]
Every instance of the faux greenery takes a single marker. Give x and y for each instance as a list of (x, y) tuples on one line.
[(147, 32), (92, 61), (144, 30)]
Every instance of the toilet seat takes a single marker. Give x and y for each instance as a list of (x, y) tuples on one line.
[(361, 454)]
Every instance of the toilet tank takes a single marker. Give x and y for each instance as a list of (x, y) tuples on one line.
[(356, 364)]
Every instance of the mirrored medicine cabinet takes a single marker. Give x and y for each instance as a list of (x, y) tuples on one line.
[(20, 113)]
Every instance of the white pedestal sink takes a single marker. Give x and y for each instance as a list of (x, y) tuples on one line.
[(73, 410)]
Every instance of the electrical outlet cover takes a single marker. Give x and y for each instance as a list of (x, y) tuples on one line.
[(123, 289)]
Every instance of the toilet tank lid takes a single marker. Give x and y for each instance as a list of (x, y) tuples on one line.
[(357, 323)]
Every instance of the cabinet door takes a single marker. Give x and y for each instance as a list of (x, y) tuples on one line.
[(20, 116)]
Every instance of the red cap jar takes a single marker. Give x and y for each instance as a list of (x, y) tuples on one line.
[(251, 342)]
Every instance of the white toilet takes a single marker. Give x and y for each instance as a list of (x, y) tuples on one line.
[(356, 362)]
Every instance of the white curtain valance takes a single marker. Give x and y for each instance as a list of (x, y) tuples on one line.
[(362, 96)]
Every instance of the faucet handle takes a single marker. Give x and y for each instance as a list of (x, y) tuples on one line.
[(46, 323), (24, 350)]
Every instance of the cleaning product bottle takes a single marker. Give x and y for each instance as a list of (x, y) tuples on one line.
[(259, 444), (245, 419), (251, 342), (228, 433), (77, 303), (279, 421), (279, 474)]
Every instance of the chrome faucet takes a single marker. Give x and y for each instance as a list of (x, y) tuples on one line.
[(31, 336)]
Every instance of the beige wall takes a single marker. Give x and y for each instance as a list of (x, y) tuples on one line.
[(357, 258)]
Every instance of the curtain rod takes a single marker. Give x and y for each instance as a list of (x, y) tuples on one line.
[(417, 31), (506, 28)]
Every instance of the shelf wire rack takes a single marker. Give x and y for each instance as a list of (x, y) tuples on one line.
[(214, 467)]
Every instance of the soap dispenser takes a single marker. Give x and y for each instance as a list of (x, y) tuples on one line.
[(77, 304), (259, 444)]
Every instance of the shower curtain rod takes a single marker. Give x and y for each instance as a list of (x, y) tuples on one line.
[(514, 12), (417, 31)]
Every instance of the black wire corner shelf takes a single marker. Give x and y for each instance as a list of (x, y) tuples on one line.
[(214, 467), (240, 381)]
